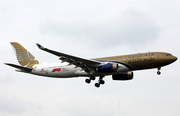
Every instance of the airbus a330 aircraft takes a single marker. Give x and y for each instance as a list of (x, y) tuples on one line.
[(120, 67)]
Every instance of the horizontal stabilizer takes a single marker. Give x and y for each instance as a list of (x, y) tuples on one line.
[(20, 67)]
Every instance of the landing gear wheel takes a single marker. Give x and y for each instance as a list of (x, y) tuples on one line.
[(101, 81), (97, 84), (92, 78), (87, 80), (158, 72)]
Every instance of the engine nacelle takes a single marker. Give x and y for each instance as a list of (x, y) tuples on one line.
[(108, 68), (123, 76)]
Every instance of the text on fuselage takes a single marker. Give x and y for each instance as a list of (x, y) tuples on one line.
[(141, 58)]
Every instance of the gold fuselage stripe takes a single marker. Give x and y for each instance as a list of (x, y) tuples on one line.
[(142, 60)]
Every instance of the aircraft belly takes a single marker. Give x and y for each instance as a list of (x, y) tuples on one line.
[(56, 71), (63, 72)]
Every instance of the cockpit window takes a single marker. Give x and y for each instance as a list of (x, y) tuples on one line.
[(169, 54)]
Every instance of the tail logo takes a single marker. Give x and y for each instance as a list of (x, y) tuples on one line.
[(24, 57)]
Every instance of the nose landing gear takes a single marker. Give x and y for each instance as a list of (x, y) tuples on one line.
[(158, 72)]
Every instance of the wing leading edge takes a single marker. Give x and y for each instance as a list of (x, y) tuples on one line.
[(87, 65)]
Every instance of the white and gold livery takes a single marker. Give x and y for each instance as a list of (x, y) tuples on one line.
[(120, 67)]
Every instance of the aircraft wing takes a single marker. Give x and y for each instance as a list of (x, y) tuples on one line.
[(85, 64)]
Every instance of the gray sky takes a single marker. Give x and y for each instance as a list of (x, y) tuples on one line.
[(90, 29)]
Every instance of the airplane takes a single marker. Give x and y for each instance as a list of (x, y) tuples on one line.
[(120, 67)]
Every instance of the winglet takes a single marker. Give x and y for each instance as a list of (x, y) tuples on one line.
[(40, 46)]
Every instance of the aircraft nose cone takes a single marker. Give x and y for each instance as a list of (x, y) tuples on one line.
[(175, 58), (171, 59)]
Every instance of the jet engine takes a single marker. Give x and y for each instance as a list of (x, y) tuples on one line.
[(123, 76), (108, 68)]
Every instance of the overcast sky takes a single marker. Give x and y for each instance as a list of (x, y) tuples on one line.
[(90, 29)]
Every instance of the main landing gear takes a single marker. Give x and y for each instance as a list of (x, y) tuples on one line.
[(100, 81), (158, 72), (90, 78)]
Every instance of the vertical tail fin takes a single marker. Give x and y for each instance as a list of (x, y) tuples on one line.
[(24, 57)]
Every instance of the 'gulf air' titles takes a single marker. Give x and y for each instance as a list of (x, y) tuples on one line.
[(120, 67)]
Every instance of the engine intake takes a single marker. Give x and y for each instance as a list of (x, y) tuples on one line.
[(108, 68), (123, 76)]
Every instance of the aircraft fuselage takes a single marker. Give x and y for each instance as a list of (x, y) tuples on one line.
[(126, 63)]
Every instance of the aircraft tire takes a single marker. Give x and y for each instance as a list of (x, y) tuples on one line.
[(158, 72), (97, 85), (92, 77), (101, 81), (88, 81)]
